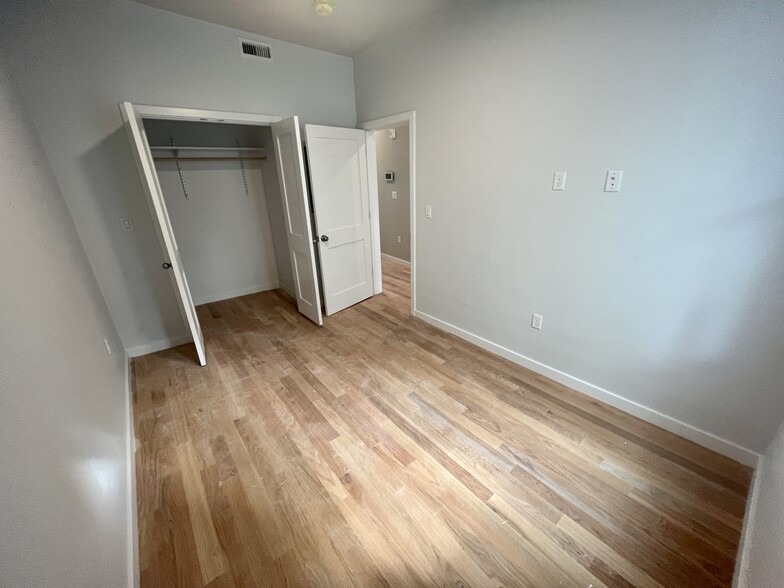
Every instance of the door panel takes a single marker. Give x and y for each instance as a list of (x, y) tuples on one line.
[(338, 176), (295, 217), (160, 216), (347, 261), (296, 209)]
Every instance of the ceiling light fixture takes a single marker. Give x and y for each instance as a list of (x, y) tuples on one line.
[(324, 7)]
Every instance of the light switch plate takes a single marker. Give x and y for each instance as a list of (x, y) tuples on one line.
[(394, 194), (428, 211), (393, 134), (126, 224)]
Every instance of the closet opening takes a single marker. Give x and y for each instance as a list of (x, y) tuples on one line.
[(232, 201), (220, 186)]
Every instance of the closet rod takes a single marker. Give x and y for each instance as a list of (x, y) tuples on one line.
[(210, 158)]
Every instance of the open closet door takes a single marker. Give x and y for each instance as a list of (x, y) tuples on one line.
[(296, 209), (341, 202), (160, 218)]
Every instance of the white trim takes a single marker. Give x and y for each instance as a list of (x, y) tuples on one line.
[(397, 120), (159, 345), (134, 574), (375, 214), (235, 293), (704, 438), (741, 577), (395, 259), (387, 122), (195, 114)]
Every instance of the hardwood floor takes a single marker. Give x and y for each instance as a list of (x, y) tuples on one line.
[(379, 451)]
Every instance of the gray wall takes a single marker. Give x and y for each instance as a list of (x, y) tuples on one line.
[(223, 234), (75, 61), (64, 426), (394, 215), (669, 293), (765, 565)]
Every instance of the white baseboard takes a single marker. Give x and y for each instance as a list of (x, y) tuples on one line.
[(741, 577), (159, 345), (704, 438), (395, 259), (134, 575), (234, 293)]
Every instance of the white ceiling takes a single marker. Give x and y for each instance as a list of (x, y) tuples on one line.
[(353, 26)]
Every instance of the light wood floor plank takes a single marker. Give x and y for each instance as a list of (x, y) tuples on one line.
[(380, 451)]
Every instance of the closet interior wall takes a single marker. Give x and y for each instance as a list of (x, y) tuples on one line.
[(230, 227)]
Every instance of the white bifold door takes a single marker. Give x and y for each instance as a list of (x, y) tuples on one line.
[(341, 206), (160, 216), (296, 210)]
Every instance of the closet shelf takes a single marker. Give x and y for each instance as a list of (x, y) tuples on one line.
[(238, 158), (186, 150), (175, 148)]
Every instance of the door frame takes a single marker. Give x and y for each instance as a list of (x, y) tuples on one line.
[(199, 115), (370, 127)]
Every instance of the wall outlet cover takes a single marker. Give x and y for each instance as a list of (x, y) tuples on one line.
[(559, 181), (613, 181), (536, 321)]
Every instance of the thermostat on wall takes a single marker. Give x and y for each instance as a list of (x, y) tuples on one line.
[(389, 176)]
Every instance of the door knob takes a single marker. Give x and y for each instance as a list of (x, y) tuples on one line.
[(166, 265), (324, 238)]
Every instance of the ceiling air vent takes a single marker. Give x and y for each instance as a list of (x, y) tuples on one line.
[(251, 49)]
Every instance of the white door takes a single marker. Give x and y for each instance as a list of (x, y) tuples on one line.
[(296, 209), (338, 177), (160, 217)]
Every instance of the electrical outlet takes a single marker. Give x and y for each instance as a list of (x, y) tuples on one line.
[(399, 239), (613, 181), (428, 211), (536, 321), (394, 194), (126, 224), (559, 181)]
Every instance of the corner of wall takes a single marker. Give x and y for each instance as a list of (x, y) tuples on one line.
[(133, 525), (740, 577)]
